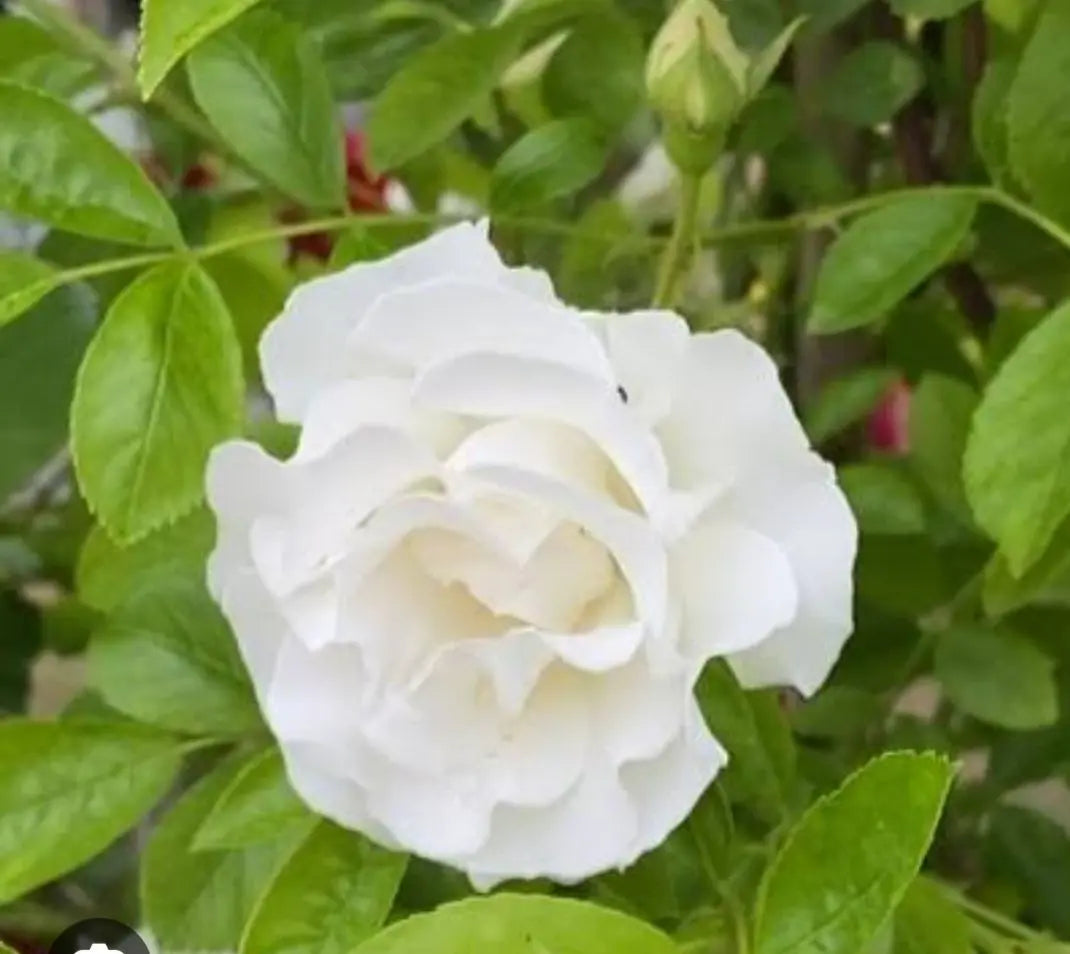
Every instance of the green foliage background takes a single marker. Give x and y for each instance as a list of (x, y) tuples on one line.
[(890, 214)]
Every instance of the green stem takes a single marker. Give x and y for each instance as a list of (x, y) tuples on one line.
[(678, 253), (724, 891)]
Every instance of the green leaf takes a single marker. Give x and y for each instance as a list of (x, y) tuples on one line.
[(263, 87), (57, 167), (24, 281), (107, 573), (257, 807), (171, 28), (168, 658), (941, 409), (761, 765), (997, 676), (334, 892), (31, 56), (929, 9), (1017, 462), (884, 255), (1038, 124), (989, 118), (1033, 852), (69, 790), (850, 859), (436, 91), (160, 385), (39, 357), (597, 72), (929, 922), (1047, 581), (884, 500), (201, 900), (551, 161), (872, 83), (846, 400), (520, 924)]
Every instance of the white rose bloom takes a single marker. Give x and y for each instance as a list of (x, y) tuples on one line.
[(475, 601)]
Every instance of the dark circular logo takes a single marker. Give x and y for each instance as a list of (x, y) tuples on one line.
[(99, 936)]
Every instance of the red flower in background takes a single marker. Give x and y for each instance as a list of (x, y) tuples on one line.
[(365, 192), (889, 424)]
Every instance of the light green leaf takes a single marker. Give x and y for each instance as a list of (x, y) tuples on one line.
[(168, 658), (201, 900), (929, 922), (160, 385), (846, 400), (597, 73), (30, 56), (24, 281), (1017, 463), (761, 765), (107, 573), (997, 676), (848, 862), (929, 9), (171, 28), (69, 790), (436, 91), (551, 161), (57, 167), (1038, 123), (1046, 582), (884, 255), (334, 892), (262, 85), (766, 61), (872, 83), (884, 500), (989, 117), (520, 924), (941, 410), (258, 806), (39, 357)]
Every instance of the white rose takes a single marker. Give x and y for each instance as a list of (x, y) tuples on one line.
[(475, 601)]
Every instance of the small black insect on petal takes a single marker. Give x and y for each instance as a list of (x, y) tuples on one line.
[(623, 394)]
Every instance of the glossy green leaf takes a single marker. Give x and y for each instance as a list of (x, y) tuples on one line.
[(1037, 120), (883, 498), (554, 160), (597, 72), (106, 572), (333, 893), (929, 922), (31, 56), (39, 357), (160, 386), (258, 806), (848, 862), (57, 167), (872, 83), (884, 255), (69, 790), (1017, 462), (941, 410), (168, 658), (1033, 852), (436, 91), (171, 28), (520, 924), (24, 281), (761, 765), (261, 84), (201, 900), (997, 676), (846, 400)]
